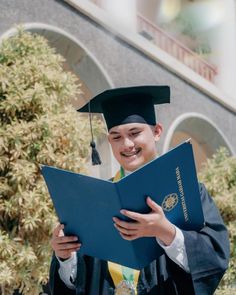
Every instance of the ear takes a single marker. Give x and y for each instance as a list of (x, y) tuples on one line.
[(109, 138), (157, 131)]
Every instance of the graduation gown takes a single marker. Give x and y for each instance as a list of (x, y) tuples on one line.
[(207, 252)]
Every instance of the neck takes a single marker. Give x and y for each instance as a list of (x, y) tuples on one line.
[(127, 172)]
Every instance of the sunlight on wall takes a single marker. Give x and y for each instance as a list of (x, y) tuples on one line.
[(168, 10), (123, 12)]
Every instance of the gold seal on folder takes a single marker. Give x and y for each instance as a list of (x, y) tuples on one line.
[(169, 202)]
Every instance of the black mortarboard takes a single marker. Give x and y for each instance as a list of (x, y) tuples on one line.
[(128, 105)]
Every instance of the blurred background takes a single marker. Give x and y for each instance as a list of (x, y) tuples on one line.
[(189, 45)]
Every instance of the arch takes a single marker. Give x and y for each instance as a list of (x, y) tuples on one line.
[(91, 73), (206, 136)]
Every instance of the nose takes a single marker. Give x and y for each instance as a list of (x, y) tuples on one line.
[(128, 143)]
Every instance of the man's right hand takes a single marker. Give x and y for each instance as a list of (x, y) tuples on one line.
[(62, 245)]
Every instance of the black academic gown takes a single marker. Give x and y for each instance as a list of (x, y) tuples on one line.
[(208, 255)]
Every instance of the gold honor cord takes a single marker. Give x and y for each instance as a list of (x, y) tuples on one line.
[(124, 278)]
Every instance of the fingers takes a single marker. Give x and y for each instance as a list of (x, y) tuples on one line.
[(143, 225), (65, 242), (62, 245), (126, 231), (127, 234), (133, 215), (58, 236), (129, 237), (140, 217), (65, 239), (66, 253), (57, 230), (125, 224), (68, 246), (153, 205)]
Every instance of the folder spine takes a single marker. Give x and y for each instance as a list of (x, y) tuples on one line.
[(135, 257)]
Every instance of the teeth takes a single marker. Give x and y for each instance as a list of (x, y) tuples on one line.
[(130, 154)]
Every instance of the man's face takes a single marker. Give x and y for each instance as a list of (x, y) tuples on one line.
[(133, 144)]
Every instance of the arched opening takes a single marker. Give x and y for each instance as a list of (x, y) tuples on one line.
[(93, 80), (205, 136)]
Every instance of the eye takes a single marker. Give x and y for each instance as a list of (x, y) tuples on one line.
[(135, 133), (116, 137)]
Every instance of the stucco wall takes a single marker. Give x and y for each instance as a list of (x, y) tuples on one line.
[(124, 64)]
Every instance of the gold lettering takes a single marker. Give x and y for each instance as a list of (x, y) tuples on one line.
[(181, 192)]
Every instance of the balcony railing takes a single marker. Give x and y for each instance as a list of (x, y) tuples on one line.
[(173, 47)]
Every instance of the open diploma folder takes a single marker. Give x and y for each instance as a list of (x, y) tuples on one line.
[(86, 205)]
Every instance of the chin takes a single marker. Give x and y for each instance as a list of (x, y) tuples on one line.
[(133, 165)]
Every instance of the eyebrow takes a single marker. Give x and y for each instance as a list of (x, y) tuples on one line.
[(130, 130)]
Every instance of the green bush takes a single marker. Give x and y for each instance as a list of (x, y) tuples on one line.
[(38, 125), (219, 176)]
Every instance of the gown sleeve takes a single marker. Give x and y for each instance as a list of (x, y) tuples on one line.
[(208, 249), (56, 285)]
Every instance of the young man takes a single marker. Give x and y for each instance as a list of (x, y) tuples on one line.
[(193, 262)]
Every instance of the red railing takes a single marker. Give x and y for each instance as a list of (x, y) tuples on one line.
[(173, 47)]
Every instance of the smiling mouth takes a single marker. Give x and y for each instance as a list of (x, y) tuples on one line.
[(130, 154)]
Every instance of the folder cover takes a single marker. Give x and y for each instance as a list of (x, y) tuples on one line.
[(86, 205)]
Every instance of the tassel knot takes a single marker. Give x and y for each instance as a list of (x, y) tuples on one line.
[(95, 155)]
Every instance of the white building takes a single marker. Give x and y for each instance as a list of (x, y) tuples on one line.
[(189, 45)]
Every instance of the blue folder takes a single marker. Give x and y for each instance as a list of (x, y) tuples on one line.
[(86, 205)]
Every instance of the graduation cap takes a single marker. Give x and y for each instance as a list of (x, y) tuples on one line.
[(126, 105)]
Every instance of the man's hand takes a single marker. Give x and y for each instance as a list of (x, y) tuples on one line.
[(153, 224), (62, 245)]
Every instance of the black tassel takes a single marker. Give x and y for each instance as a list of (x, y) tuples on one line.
[(96, 160)]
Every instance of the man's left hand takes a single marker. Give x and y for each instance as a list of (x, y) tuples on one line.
[(153, 224)]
